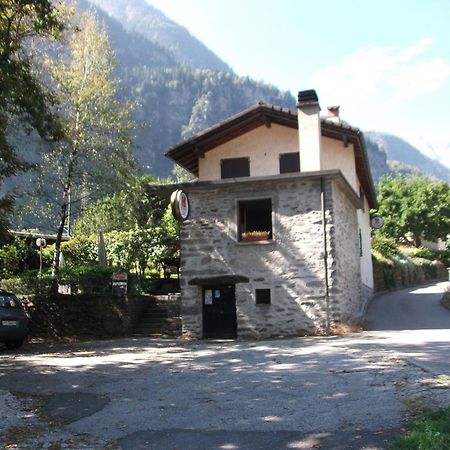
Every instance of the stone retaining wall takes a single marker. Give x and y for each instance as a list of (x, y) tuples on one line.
[(83, 315)]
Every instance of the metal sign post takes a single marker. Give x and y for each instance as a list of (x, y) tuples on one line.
[(41, 243)]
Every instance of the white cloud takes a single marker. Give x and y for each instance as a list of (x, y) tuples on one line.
[(372, 71), (420, 78)]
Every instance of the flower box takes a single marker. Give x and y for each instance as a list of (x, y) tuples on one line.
[(250, 236)]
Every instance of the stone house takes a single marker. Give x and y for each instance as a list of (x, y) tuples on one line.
[(277, 241)]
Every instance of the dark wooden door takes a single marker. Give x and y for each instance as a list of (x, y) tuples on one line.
[(219, 312)]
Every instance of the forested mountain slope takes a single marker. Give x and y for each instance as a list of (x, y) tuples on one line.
[(403, 157), (180, 86)]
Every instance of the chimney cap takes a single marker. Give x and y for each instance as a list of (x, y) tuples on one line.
[(333, 111), (308, 96)]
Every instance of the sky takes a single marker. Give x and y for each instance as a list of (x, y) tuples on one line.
[(386, 63)]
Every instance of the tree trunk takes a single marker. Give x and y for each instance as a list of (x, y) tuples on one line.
[(63, 217)]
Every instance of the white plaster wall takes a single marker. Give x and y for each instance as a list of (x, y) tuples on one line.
[(366, 258), (262, 145), (336, 156), (309, 138)]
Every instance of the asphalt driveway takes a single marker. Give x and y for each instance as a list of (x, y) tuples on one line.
[(414, 323), (348, 392)]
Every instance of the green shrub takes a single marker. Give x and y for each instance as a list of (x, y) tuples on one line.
[(80, 251), (386, 246), (421, 252), (27, 283), (87, 279), (9, 260), (426, 253), (17, 256)]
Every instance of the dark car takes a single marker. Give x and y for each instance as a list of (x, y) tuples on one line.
[(14, 321)]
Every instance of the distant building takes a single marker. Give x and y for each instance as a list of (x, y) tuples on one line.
[(278, 237)]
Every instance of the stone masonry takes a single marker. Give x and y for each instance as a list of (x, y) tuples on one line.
[(291, 265)]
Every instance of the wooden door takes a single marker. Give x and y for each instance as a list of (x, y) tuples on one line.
[(219, 312)]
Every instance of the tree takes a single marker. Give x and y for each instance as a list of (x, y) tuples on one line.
[(414, 205), (139, 226), (182, 175), (132, 207), (95, 155), (24, 103)]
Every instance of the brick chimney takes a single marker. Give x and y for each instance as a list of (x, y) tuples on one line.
[(309, 131)]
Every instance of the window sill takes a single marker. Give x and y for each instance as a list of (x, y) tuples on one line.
[(261, 242)]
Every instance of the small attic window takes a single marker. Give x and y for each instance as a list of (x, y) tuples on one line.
[(234, 168), (289, 162)]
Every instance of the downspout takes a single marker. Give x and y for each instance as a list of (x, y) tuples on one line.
[(325, 255)]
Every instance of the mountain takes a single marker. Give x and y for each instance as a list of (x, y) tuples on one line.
[(401, 157), (181, 87), (139, 17), (438, 149)]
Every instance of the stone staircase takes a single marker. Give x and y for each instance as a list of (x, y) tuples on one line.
[(160, 318)]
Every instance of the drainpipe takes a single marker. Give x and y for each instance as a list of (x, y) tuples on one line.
[(325, 255)]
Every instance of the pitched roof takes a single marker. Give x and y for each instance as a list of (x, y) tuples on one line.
[(187, 153)]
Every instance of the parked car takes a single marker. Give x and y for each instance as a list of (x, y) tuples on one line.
[(14, 321)]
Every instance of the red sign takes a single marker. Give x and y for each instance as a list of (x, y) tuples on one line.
[(180, 204), (120, 276)]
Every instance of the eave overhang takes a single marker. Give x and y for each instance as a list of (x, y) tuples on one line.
[(187, 153)]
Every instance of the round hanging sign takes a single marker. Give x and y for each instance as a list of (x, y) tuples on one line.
[(180, 204), (377, 222)]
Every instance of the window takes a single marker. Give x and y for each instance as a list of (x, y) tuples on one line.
[(255, 220), (262, 296), (235, 168), (290, 162), (360, 243)]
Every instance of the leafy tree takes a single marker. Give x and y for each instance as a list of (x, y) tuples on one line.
[(181, 175), (24, 103), (415, 206), (133, 207), (138, 225), (95, 155)]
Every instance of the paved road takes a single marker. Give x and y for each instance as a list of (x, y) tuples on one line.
[(413, 322), (350, 392), (409, 309)]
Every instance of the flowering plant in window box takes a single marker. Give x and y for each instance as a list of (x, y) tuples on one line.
[(248, 236)]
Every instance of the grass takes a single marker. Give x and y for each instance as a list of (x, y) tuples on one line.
[(428, 431)]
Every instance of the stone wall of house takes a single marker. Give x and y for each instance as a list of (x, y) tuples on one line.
[(345, 277), (291, 265)]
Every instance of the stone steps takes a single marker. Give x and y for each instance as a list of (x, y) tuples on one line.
[(160, 319)]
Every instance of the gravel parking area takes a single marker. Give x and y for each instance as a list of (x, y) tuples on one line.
[(348, 392)]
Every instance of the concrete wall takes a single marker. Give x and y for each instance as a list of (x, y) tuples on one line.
[(291, 265), (262, 145)]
